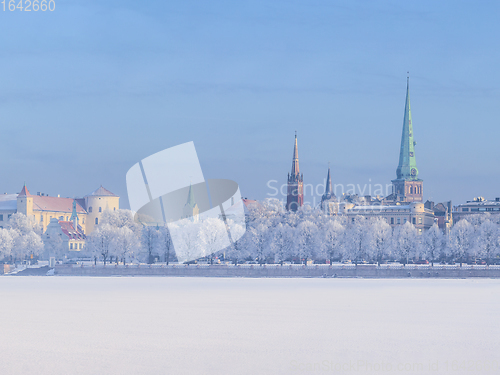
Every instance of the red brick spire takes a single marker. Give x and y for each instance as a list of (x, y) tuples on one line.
[(295, 194)]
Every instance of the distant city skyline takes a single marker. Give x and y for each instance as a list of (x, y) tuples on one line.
[(89, 89)]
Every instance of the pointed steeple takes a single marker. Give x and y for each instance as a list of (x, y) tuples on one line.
[(328, 189), (24, 192), (407, 168), (73, 213), (191, 210), (295, 160), (190, 201), (295, 192)]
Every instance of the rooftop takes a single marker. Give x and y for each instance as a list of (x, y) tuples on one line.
[(69, 230), (45, 203), (102, 192), (8, 202)]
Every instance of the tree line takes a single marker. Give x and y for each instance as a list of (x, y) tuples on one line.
[(272, 235)]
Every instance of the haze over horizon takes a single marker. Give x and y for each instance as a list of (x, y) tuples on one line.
[(95, 86)]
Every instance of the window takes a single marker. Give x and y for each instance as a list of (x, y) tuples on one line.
[(61, 218), (80, 246), (8, 216), (114, 208), (1, 217), (71, 246), (465, 209), (405, 220), (41, 218), (420, 220), (399, 220), (414, 220), (392, 220), (100, 209), (96, 220), (474, 209), (90, 209)]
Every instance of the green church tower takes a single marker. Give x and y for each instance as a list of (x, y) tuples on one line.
[(407, 187), (191, 210)]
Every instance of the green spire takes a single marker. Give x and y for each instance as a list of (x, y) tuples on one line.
[(407, 168), (190, 201), (74, 214)]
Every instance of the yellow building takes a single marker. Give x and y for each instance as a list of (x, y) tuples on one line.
[(87, 211)]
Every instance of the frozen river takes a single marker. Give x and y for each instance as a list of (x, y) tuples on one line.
[(77, 325)]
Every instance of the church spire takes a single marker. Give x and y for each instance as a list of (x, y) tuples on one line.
[(407, 168), (73, 213), (190, 201), (328, 189), (295, 160), (295, 193)]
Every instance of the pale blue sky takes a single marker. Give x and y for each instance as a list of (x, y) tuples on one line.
[(90, 89)]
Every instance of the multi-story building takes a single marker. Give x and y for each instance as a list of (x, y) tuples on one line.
[(414, 213), (41, 208), (476, 206)]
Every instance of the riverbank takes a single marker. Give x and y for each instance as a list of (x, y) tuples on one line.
[(287, 271)]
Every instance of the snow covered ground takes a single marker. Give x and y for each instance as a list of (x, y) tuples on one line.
[(76, 325)]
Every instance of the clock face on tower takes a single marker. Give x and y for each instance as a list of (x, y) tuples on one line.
[(413, 172)]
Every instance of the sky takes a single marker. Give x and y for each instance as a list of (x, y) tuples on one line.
[(91, 88)]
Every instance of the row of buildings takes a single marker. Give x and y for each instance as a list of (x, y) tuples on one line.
[(70, 219), (404, 204)]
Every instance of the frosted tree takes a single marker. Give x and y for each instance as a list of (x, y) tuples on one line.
[(213, 237), (404, 241), (461, 240), (333, 233), (186, 237), (119, 219), (258, 239), (487, 241), (100, 242), (291, 218), (477, 219), (54, 245), (378, 238), (26, 242), (165, 243), (149, 241), (238, 249), (125, 244), (355, 240), (21, 224), (280, 242), (273, 206), (433, 242), (6, 243), (33, 244), (307, 240)]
